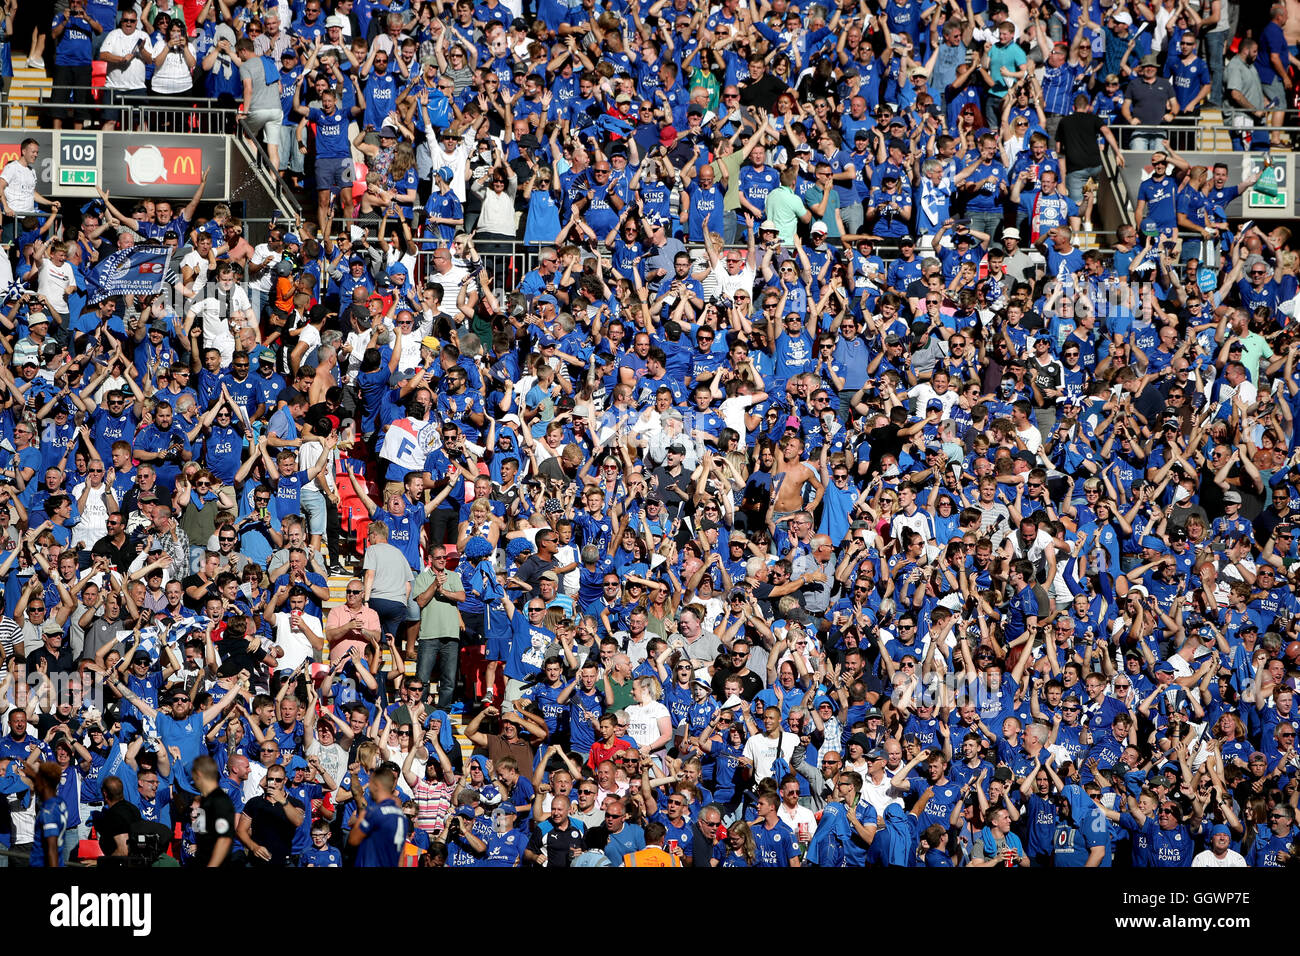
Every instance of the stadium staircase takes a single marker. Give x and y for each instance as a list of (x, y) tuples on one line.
[(1211, 133), (28, 88)]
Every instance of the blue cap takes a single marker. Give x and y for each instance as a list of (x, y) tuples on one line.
[(292, 237), (1219, 829), (547, 298), (397, 268), (1164, 667), (445, 174)]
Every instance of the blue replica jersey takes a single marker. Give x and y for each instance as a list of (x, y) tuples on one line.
[(328, 857), (584, 715), (505, 849), (331, 134), (1264, 851), (527, 646), (385, 827), (775, 847), (51, 821), (404, 532), (1161, 205), (186, 735)]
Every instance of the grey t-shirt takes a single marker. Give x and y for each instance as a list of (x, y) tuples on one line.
[(265, 96), (392, 572)]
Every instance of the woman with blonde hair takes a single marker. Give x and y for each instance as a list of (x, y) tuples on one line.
[(481, 522), (738, 849), (649, 723)]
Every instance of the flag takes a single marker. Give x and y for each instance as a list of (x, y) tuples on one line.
[(14, 290), (139, 270), (148, 642), (408, 441)]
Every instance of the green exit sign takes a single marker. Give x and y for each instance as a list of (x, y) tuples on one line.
[(78, 177), (1260, 201)]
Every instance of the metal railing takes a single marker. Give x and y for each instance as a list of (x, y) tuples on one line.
[(1117, 185), (136, 110), (255, 152)]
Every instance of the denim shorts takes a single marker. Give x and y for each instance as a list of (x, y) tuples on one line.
[(336, 175)]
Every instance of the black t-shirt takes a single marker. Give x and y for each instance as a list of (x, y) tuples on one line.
[(195, 581), (762, 92), (271, 828), (750, 684), (531, 571), (884, 441), (673, 490), (120, 558), (1077, 134), (215, 821), (113, 822)]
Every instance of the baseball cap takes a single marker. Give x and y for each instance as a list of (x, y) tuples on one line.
[(818, 228)]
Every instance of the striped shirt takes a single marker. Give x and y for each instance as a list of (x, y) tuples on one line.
[(11, 636), (432, 804)]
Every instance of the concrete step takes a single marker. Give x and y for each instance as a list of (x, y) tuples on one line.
[(1211, 132), (28, 87)]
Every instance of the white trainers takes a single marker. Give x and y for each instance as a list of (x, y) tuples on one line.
[(35, 63)]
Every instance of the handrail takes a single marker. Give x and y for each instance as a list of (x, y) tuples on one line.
[(1111, 169), (206, 115), (270, 175)]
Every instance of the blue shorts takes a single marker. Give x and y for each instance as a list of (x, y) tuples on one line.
[(498, 637), (334, 174)]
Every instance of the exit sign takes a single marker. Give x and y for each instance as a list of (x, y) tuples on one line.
[(1260, 201), (78, 177)]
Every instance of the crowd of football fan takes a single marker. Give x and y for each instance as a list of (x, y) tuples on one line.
[(704, 410)]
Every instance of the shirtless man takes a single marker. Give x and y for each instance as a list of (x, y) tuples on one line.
[(789, 478)]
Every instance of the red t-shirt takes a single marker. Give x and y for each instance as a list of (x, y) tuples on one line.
[(600, 751)]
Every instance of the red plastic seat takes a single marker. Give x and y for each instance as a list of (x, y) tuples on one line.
[(98, 77)]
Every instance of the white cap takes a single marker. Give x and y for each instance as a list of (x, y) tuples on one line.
[(1124, 17), (1011, 233), (334, 20), (731, 703), (768, 224), (819, 227)]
